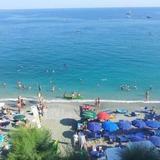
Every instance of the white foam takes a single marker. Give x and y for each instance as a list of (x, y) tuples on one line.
[(57, 100)]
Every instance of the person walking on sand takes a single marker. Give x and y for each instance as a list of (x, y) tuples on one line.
[(19, 106)]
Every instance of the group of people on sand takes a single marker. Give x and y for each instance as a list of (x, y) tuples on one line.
[(79, 139), (20, 103)]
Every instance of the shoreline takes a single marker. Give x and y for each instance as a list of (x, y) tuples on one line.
[(58, 100)]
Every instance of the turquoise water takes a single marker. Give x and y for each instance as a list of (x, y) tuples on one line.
[(92, 51)]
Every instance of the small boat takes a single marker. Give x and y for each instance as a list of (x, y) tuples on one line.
[(72, 96), (148, 17)]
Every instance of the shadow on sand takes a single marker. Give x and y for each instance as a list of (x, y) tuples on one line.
[(68, 134), (69, 122)]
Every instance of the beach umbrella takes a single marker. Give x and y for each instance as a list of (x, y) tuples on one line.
[(155, 140), (136, 138), (139, 123), (103, 116), (110, 126), (94, 126), (19, 117), (89, 115), (124, 125), (153, 124)]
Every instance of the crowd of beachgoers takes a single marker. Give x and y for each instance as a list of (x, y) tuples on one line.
[(99, 128), (17, 114)]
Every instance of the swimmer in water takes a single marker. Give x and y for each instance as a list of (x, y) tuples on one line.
[(4, 85), (135, 87), (53, 89), (39, 88), (150, 88), (29, 87), (19, 85), (98, 85), (65, 65)]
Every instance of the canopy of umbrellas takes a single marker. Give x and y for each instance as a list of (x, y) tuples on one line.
[(101, 125)]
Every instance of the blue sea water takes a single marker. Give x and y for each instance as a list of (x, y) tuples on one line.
[(92, 51)]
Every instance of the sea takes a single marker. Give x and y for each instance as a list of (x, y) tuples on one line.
[(111, 53)]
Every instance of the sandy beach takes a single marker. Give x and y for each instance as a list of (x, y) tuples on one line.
[(60, 117)]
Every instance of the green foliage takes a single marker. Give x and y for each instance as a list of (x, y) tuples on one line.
[(137, 152), (32, 144), (77, 155)]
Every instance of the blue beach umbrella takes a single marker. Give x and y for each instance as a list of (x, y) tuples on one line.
[(124, 125), (153, 124), (155, 140), (136, 138), (94, 126), (139, 123), (110, 126)]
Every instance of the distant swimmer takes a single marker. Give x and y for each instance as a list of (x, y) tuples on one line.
[(135, 87), (81, 80), (53, 71), (23, 87), (98, 85), (125, 87), (19, 85), (65, 65), (104, 79), (29, 87), (150, 88), (53, 89), (39, 88), (47, 70), (4, 85)]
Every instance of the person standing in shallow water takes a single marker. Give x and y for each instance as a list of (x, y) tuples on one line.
[(98, 102), (147, 95)]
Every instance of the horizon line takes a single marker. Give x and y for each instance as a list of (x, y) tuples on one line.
[(79, 8)]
